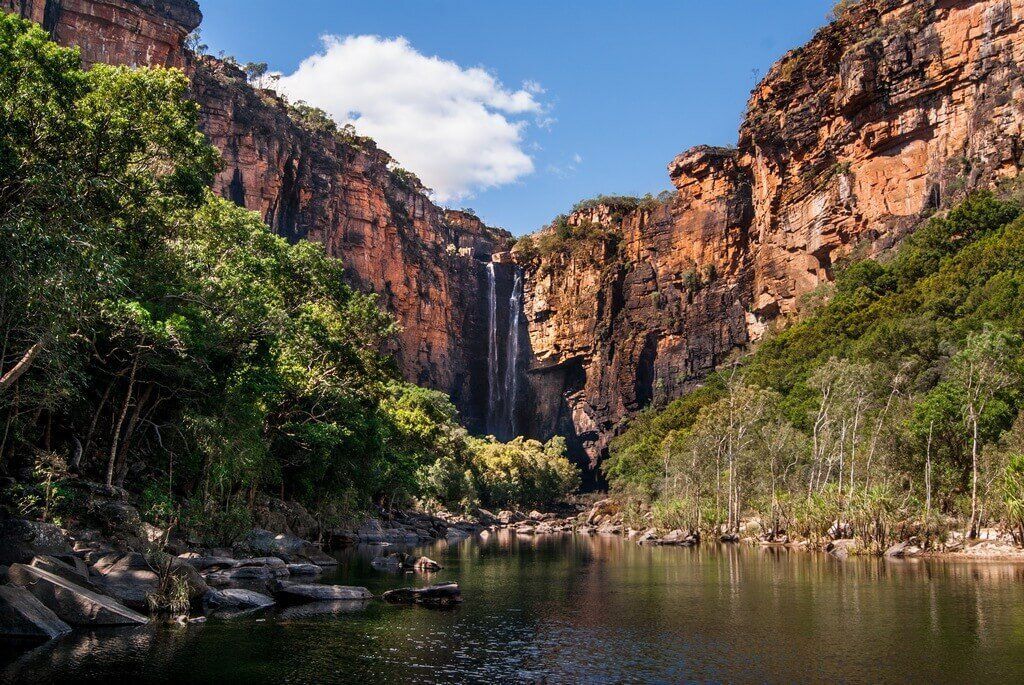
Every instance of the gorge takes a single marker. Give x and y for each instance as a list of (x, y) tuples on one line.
[(270, 412), (898, 108)]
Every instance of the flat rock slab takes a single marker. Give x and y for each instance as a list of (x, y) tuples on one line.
[(300, 593), (315, 609), (235, 599), (437, 595), (73, 603), (202, 563), (24, 616), (304, 569), (78, 574)]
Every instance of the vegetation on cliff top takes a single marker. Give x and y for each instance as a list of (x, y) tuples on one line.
[(161, 338), (896, 403)]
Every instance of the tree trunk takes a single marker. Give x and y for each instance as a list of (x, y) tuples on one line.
[(23, 365), (974, 478), (120, 422)]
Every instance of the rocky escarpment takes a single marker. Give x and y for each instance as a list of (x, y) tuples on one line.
[(425, 263), (893, 111), (132, 32), (307, 182)]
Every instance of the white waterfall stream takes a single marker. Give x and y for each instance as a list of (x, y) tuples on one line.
[(502, 390), (492, 347), (515, 306)]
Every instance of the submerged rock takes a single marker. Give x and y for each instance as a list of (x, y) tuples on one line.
[(398, 561), (443, 594), (73, 603), (299, 593), (22, 615)]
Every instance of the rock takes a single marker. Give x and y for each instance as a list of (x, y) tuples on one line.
[(73, 603), (22, 615), (315, 609), (130, 580), (298, 593), (259, 574), (304, 569), (133, 578), (425, 564), (276, 565), (679, 538), (21, 540), (897, 551), (729, 537), (79, 573), (370, 531), (287, 547), (444, 594), (456, 535), (842, 548), (120, 520), (203, 563), (235, 599)]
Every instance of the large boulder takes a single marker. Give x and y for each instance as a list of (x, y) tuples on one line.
[(300, 593), (234, 600), (289, 517), (130, 579), (22, 615), (76, 572), (21, 540), (119, 520), (243, 574), (285, 546), (208, 563), (842, 548), (437, 595), (370, 531), (73, 603)]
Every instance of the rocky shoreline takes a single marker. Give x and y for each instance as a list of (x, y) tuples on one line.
[(604, 518), (127, 573)]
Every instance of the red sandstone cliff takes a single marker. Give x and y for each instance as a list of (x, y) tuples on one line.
[(425, 263), (896, 109)]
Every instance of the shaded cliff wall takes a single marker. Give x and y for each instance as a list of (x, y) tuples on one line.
[(426, 264), (893, 111)]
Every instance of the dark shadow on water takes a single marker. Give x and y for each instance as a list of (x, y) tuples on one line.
[(565, 609)]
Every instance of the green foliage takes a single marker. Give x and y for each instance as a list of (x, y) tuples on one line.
[(522, 472), (171, 343), (911, 364)]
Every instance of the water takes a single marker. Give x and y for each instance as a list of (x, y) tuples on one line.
[(503, 385), (566, 609), (492, 347), (515, 306)]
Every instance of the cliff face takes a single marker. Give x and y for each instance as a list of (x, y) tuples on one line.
[(897, 109), (426, 264), (132, 32)]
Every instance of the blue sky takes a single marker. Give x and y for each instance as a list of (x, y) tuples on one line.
[(581, 98)]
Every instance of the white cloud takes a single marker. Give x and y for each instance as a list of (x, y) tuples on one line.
[(459, 129)]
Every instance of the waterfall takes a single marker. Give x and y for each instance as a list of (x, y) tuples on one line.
[(492, 348), (515, 306)]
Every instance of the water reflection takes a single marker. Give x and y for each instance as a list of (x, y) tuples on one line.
[(597, 609)]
